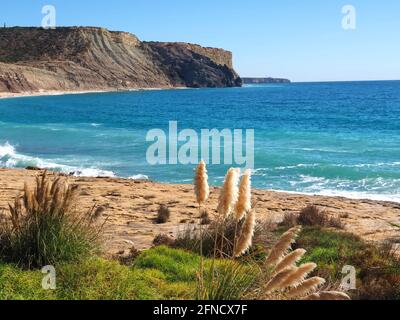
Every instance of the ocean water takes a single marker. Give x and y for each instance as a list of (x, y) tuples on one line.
[(317, 138)]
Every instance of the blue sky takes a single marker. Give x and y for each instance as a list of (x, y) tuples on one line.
[(299, 39)]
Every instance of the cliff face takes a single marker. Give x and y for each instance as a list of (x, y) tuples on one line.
[(69, 59)]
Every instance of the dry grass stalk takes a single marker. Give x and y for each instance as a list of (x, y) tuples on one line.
[(201, 187), (229, 193), (243, 204), (290, 260), (204, 217), (308, 287), (328, 295), (282, 247), (246, 238)]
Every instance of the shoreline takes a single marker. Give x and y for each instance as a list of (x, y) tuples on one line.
[(130, 207), (28, 94)]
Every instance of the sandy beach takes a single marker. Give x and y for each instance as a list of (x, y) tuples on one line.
[(131, 206), (7, 95)]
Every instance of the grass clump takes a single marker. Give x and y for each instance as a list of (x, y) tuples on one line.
[(45, 229), (163, 214), (217, 239), (311, 216), (229, 280)]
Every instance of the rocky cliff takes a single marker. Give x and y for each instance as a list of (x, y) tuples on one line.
[(84, 58)]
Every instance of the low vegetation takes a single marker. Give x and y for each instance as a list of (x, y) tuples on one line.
[(312, 216), (160, 273), (163, 214), (378, 268), (230, 256)]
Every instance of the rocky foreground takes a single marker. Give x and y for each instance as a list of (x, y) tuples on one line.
[(130, 208), (70, 59)]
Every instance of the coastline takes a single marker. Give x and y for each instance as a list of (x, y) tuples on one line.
[(130, 207), (27, 94)]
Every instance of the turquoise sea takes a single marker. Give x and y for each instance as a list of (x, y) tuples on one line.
[(320, 138)]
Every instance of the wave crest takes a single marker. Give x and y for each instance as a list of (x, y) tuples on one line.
[(10, 158)]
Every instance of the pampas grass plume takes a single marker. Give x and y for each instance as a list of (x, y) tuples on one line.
[(328, 295), (243, 204), (290, 260), (246, 238), (308, 287), (276, 281), (229, 193), (201, 188), (298, 275), (283, 246)]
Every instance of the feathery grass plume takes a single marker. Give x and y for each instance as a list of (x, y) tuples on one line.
[(308, 287), (246, 238), (243, 204), (229, 193), (298, 275), (282, 247), (277, 280), (290, 260), (328, 295), (201, 188)]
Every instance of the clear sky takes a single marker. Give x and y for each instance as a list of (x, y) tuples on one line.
[(299, 39)]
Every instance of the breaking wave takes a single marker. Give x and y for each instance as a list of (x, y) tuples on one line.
[(10, 158)]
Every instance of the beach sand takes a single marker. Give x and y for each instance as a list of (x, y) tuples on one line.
[(7, 95), (131, 206)]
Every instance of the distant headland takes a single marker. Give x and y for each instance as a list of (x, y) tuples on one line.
[(264, 80)]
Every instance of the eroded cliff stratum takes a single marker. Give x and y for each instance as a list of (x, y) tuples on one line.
[(85, 58)]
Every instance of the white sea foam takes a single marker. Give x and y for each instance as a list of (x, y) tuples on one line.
[(10, 158), (139, 177), (348, 194)]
